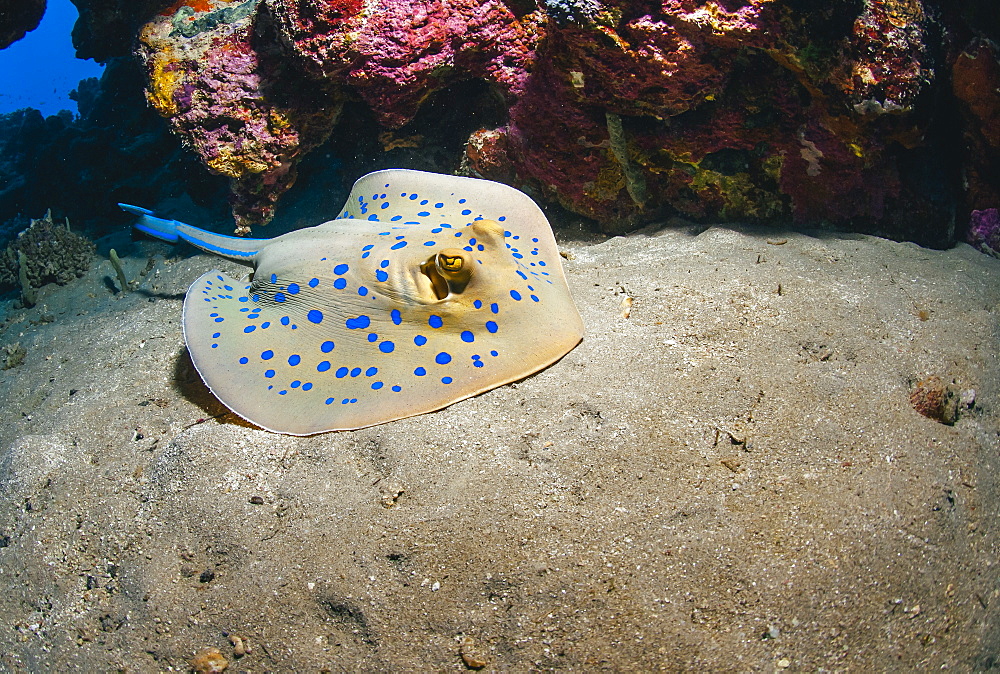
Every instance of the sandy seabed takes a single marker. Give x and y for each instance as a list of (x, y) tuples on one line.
[(729, 478)]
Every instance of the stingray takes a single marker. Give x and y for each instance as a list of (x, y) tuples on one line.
[(428, 289)]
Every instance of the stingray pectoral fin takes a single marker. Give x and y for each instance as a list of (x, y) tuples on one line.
[(234, 247)]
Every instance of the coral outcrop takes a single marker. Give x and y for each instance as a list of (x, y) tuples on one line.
[(238, 102), (19, 18), (50, 253), (868, 115)]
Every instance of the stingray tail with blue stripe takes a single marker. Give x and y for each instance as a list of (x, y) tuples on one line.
[(234, 247)]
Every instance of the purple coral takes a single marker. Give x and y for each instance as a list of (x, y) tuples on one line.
[(984, 230)]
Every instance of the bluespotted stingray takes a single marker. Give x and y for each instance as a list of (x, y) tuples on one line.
[(428, 289)]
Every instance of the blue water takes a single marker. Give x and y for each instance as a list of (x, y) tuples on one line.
[(39, 70)]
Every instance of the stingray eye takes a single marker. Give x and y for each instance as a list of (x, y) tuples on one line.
[(450, 263), (448, 271)]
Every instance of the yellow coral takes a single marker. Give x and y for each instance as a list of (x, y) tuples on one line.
[(236, 165), (162, 85)]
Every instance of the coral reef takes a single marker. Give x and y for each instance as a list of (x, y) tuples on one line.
[(48, 253), (976, 84), (869, 115)]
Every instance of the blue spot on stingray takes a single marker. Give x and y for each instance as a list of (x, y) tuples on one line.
[(420, 372), (296, 384), (419, 340), (269, 373), (381, 275), (279, 297), (494, 354), (267, 355), (340, 269), (435, 321), (397, 246), (355, 372), (376, 385), (285, 320), (385, 204), (368, 247), (244, 360), (533, 298), (326, 347), (219, 320), (495, 308), (372, 337), (422, 214), (478, 304), (362, 291), (342, 372), (516, 295), (294, 359), (466, 212), (265, 325), (329, 401), (293, 288), (413, 197), (491, 326), (446, 380), (359, 322), (315, 316), (323, 366), (274, 278), (386, 347), (430, 243), (306, 386), (371, 372), (522, 274), (340, 284), (478, 363), (442, 358), (216, 335), (397, 389), (250, 328), (396, 316), (468, 336), (313, 282)]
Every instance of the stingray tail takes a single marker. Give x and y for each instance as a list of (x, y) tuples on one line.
[(233, 247), (165, 230)]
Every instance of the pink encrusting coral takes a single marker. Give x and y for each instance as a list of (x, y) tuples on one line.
[(234, 101), (395, 54), (624, 111)]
